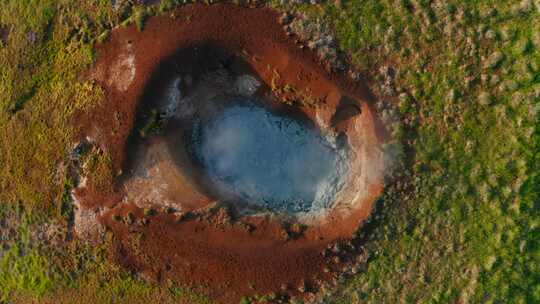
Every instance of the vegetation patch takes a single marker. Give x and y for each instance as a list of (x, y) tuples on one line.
[(460, 224)]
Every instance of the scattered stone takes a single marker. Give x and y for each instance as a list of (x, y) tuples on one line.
[(144, 222), (325, 252), (362, 258), (336, 248), (317, 36), (354, 75), (170, 210), (285, 18), (387, 72), (180, 216)]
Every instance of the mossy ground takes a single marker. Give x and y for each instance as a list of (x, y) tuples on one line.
[(49, 44), (463, 226)]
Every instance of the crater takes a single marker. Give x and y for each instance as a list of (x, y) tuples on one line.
[(239, 157), (274, 162)]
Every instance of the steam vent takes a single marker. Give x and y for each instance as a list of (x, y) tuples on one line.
[(241, 163)]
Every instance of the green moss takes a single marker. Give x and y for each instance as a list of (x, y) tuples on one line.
[(50, 44), (149, 212), (435, 244), (468, 231), (154, 124), (139, 17), (24, 270), (98, 167)]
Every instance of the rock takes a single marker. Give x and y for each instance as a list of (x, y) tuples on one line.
[(354, 75), (180, 216), (387, 72), (285, 18), (247, 85), (388, 89)]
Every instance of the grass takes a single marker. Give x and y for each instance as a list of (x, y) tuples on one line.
[(50, 43), (24, 270), (32, 271), (466, 227), (463, 227)]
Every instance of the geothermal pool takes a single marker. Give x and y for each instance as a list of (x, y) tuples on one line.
[(266, 160)]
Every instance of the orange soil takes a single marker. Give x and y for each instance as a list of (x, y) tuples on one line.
[(227, 256)]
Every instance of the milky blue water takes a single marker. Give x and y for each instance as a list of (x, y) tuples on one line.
[(271, 161)]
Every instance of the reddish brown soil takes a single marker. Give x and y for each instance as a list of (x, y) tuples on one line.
[(228, 257)]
